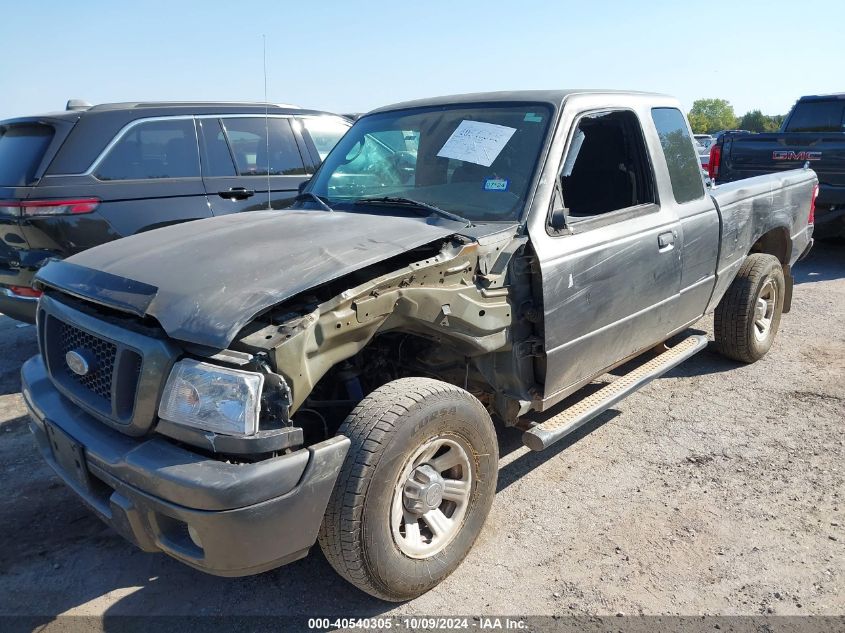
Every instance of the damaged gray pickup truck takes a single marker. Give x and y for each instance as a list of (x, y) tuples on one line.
[(233, 390)]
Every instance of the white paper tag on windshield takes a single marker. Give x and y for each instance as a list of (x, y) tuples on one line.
[(476, 142)]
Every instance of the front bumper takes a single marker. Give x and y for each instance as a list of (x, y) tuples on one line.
[(19, 308), (243, 518)]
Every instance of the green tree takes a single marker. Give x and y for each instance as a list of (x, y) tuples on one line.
[(711, 115), (774, 122), (756, 121)]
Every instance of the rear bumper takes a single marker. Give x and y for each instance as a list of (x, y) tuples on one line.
[(14, 274), (806, 250), (243, 518), (20, 308)]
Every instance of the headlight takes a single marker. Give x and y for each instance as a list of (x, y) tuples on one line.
[(212, 398)]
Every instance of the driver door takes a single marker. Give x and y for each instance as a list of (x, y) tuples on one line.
[(611, 277)]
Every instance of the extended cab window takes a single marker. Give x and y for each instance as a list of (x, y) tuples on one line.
[(606, 168), (257, 155), (153, 149), (679, 152), (817, 116)]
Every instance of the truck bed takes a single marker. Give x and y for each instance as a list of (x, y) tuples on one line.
[(753, 207)]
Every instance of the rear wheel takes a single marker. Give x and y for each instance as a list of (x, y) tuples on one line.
[(748, 316), (415, 489)]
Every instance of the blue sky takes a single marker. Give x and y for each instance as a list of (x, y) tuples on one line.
[(352, 56)]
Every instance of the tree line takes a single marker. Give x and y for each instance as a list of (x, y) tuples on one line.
[(711, 115)]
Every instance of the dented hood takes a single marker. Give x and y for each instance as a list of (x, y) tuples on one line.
[(205, 280)]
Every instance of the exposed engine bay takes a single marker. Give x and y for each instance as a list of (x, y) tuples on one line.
[(446, 310)]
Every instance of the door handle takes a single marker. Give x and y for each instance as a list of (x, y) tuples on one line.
[(236, 193), (666, 241)]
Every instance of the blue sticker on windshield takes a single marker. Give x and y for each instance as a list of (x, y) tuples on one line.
[(496, 184), (533, 118)]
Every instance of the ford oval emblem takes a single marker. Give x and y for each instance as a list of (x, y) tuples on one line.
[(77, 363)]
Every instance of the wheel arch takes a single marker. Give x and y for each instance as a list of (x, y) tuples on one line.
[(777, 242)]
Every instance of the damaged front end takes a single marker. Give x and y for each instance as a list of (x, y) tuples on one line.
[(451, 310), (457, 308)]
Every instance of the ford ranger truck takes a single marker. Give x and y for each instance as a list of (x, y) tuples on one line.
[(813, 133), (234, 390)]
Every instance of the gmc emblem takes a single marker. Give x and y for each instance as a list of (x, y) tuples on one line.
[(791, 155)]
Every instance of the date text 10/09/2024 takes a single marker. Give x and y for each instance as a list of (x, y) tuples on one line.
[(415, 623)]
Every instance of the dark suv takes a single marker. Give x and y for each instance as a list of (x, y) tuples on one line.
[(79, 178)]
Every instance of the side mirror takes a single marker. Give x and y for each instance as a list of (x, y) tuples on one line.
[(558, 219), (302, 185)]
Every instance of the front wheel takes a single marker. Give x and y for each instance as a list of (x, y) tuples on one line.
[(748, 316), (415, 490)]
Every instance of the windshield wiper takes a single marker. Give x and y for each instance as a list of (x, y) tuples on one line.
[(308, 195), (409, 202)]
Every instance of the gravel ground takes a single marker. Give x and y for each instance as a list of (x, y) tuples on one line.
[(718, 489)]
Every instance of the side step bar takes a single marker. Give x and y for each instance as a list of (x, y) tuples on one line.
[(547, 433)]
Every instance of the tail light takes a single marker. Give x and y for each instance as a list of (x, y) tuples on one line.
[(812, 218), (10, 207), (25, 291), (715, 159), (37, 208), (76, 206)]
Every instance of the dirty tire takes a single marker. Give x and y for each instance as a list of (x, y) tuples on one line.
[(387, 429), (735, 321)]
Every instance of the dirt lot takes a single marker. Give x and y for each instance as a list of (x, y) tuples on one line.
[(717, 489)]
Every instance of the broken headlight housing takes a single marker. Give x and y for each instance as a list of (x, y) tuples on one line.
[(212, 398)]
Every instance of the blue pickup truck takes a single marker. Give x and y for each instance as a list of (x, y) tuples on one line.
[(814, 133)]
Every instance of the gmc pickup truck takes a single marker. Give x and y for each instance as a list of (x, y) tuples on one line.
[(233, 390), (813, 132)]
